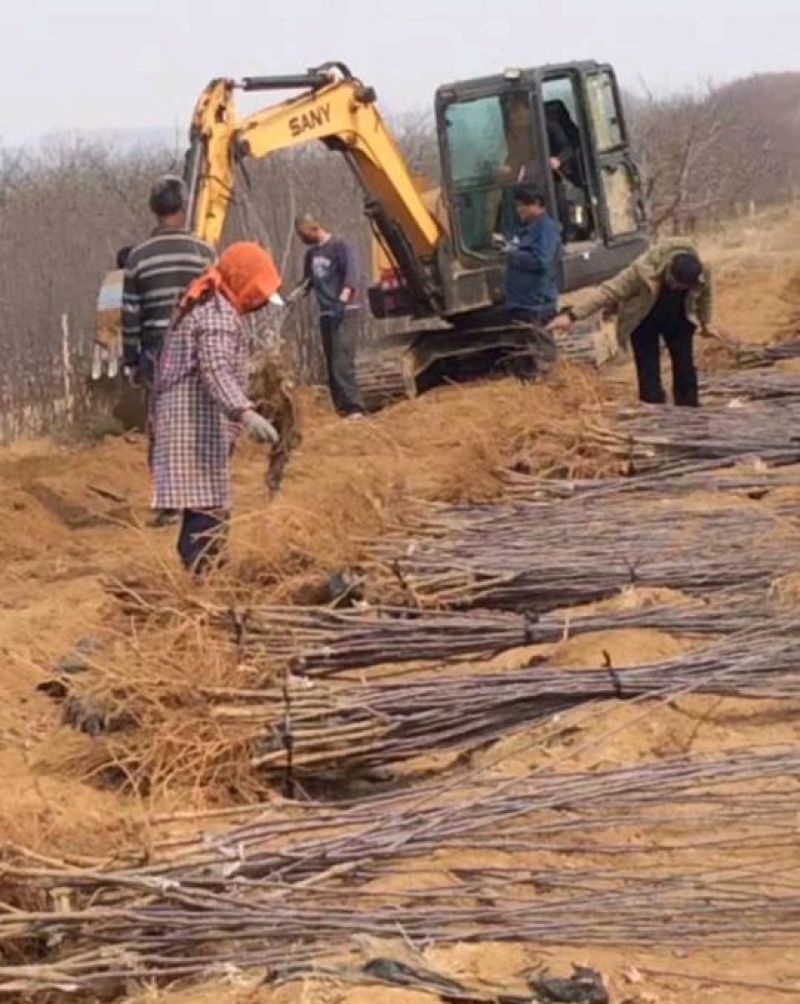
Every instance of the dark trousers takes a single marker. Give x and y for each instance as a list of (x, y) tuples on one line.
[(339, 337), (202, 539), (528, 316), (543, 344), (148, 362), (500, 314), (678, 335)]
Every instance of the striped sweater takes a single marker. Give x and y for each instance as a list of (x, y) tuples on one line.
[(157, 272)]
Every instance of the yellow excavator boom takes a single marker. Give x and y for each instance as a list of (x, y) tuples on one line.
[(342, 114)]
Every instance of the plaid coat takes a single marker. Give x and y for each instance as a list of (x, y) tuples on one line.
[(199, 397)]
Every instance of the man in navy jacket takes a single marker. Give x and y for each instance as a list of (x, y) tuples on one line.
[(532, 256)]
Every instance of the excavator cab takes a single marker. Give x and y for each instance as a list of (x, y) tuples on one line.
[(560, 128)]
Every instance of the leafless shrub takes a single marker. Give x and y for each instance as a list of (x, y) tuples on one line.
[(710, 153), (63, 212)]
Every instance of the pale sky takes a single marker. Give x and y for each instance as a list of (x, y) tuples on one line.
[(130, 64)]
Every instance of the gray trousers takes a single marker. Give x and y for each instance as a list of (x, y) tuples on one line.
[(339, 337)]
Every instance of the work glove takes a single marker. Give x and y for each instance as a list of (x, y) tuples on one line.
[(499, 243), (132, 375), (259, 428)]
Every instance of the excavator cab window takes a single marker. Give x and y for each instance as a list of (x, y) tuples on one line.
[(597, 192), (618, 182), (559, 128), (491, 147), (567, 142)]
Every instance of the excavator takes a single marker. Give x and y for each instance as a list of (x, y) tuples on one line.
[(436, 271)]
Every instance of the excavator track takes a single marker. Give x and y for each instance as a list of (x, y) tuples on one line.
[(410, 362), (382, 378)]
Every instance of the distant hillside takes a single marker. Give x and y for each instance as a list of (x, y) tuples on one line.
[(704, 153), (778, 91)]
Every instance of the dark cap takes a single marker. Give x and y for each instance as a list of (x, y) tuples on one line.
[(529, 195), (169, 195), (685, 269)]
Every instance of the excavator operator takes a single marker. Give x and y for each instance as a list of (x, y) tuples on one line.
[(522, 167), (564, 142), (566, 162)]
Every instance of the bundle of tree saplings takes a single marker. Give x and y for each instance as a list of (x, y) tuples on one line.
[(540, 556), (321, 642), (309, 726), (292, 887)]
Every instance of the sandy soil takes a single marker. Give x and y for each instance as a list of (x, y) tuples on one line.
[(73, 521)]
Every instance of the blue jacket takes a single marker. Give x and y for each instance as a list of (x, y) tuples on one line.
[(532, 271)]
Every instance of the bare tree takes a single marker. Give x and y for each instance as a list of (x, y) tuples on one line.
[(704, 152)]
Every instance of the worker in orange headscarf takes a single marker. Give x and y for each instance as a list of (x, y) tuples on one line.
[(201, 404)]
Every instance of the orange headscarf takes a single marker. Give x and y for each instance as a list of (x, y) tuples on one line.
[(245, 275)]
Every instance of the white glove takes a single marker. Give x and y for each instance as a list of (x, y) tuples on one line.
[(259, 428), (132, 375)]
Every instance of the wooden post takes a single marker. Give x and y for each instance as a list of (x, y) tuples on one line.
[(67, 367)]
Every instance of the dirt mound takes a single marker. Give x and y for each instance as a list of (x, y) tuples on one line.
[(615, 733), (59, 816), (617, 649), (81, 514), (634, 976), (350, 480), (632, 598)]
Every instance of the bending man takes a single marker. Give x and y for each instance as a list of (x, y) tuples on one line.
[(666, 293)]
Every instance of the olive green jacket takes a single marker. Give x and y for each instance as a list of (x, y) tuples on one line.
[(634, 291)]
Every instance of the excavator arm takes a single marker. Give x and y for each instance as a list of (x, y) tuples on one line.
[(339, 111)]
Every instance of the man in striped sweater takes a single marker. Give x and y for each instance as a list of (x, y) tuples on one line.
[(156, 274)]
